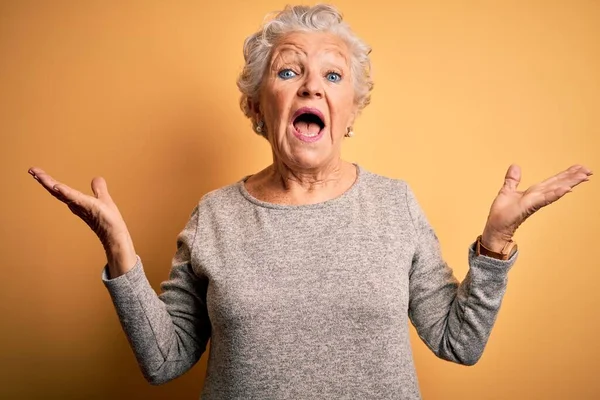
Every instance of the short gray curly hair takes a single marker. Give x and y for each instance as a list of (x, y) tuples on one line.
[(319, 18)]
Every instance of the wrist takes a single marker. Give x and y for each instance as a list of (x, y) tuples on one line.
[(121, 257), (495, 241), (505, 253)]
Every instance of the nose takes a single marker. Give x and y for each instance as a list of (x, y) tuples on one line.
[(312, 86)]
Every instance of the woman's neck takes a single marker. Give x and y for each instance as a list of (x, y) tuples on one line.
[(281, 184)]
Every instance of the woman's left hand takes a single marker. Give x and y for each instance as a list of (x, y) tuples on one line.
[(512, 207)]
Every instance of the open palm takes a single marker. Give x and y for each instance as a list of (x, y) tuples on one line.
[(99, 212), (512, 207)]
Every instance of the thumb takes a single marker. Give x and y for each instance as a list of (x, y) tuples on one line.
[(99, 188), (512, 177)]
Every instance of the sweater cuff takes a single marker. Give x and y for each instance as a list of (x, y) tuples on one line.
[(132, 278), (488, 268)]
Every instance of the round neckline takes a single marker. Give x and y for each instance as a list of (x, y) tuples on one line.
[(327, 203)]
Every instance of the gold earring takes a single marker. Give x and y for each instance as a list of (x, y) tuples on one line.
[(349, 133)]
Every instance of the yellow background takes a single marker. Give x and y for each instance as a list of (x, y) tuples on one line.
[(143, 93)]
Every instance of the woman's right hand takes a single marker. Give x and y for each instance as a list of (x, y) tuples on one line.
[(101, 214)]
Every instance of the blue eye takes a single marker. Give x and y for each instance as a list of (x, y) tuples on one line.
[(333, 77), (286, 74)]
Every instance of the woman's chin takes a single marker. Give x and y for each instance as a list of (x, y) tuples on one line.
[(308, 155)]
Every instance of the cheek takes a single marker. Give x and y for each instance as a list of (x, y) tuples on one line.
[(269, 109), (280, 106), (342, 108)]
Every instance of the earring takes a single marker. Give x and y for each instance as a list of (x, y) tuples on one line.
[(259, 126), (349, 133)]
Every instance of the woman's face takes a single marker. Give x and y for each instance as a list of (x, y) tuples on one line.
[(307, 99)]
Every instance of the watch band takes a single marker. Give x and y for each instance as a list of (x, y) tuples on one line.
[(507, 251)]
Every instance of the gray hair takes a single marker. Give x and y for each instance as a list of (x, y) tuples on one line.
[(319, 18)]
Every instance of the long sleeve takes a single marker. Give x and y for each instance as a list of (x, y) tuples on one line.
[(168, 332), (453, 319)]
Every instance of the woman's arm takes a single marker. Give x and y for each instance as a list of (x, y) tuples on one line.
[(455, 320), (168, 333)]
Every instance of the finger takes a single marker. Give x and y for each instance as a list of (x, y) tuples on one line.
[(577, 179), (59, 190), (586, 170), (544, 195), (100, 188), (69, 196), (33, 170), (555, 194), (566, 174), (538, 199), (555, 187), (512, 177), (572, 178), (46, 181), (582, 168), (578, 170)]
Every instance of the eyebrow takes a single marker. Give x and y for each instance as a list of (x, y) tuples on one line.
[(283, 57), (298, 52)]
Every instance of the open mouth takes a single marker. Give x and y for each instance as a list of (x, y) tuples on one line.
[(308, 122)]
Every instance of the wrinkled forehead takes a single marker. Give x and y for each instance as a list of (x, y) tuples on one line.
[(302, 46)]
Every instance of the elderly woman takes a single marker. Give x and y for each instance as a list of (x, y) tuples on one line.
[(304, 275)]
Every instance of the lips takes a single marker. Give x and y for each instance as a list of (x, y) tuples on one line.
[(308, 124)]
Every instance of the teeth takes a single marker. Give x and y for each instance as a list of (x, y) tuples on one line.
[(310, 134)]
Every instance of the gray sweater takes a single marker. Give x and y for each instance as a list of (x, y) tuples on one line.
[(309, 301)]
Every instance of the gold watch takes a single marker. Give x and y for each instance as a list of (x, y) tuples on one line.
[(507, 251)]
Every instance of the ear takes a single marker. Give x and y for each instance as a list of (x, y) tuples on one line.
[(254, 108), (353, 115)]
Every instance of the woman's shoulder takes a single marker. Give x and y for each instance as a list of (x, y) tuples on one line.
[(389, 187), (375, 181), (221, 196)]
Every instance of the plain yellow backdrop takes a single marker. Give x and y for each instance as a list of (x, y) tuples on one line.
[(143, 93)]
